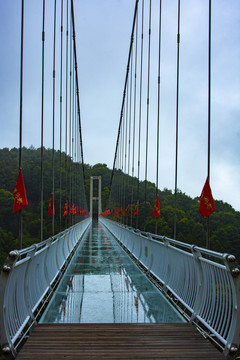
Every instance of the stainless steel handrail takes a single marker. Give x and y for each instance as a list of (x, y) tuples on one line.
[(26, 280), (205, 283)]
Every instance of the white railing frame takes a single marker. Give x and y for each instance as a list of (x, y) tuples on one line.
[(27, 277), (207, 289)]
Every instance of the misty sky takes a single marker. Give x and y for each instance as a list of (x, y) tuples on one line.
[(103, 34)]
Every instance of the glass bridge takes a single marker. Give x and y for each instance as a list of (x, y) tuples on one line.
[(103, 285)]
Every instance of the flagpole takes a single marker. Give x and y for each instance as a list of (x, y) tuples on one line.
[(209, 115), (20, 130)]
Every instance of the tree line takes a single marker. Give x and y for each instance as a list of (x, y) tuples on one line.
[(191, 227)]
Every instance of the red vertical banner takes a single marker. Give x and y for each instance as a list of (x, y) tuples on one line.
[(156, 211), (19, 194), (207, 205), (51, 209), (136, 209), (65, 209)]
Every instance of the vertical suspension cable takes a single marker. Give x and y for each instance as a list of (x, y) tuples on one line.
[(140, 109), (177, 101), (73, 119), (75, 154), (130, 118), (53, 123), (66, 128), (70, 123), (124, 91), (209, 112), (60, 118), (158, 110), (20, 121), (147, 122), (77, 90), (126, 143), (134, 109), (42, 114)]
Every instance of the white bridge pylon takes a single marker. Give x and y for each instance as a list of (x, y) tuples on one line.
[(94, 198)]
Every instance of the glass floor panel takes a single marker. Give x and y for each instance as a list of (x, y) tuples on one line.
[(103, 285)]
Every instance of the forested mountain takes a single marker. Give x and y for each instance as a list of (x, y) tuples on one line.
[(191, 227)]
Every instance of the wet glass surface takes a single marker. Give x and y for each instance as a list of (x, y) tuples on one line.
[(103, 285)]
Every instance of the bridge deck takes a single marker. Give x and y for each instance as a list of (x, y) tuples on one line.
[(117, 341)]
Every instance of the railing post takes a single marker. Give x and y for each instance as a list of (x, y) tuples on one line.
[(233, 338), (31, 254), (166, 244), (5, 338), (199, 295)]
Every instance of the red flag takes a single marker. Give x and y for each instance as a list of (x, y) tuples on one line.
[(207, 205), (65, 210), (72, 210), (156, 211), (120, 211), (19, 194), (51, 209), (126, 211), (76, 210), (136, 209), (116, 212)]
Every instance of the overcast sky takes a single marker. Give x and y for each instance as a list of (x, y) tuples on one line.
[(103, 34)]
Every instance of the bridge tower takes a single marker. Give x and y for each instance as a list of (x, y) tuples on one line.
[(96, 198)]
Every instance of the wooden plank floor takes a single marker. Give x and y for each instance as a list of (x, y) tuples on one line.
[(117, 341)]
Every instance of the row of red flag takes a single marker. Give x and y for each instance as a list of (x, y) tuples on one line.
[(73, 210), (20, 200), (206, 206)]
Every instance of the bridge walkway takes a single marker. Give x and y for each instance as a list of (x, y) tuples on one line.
[(117, 341), (111, 311)]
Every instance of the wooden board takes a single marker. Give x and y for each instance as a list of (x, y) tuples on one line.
[(117, 341)]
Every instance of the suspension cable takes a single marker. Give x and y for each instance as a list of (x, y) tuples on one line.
[(42, 112), (53, 123), (77, 88), (177, 101), (147, 122), (20, 121), (70, 122), (158, 110), (140, 109), (134, 110), (124, 92), (209, 112), (60, 118), (66, 128)]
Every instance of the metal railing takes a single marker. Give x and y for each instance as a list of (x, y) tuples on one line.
[(27, 281), (203, 284)]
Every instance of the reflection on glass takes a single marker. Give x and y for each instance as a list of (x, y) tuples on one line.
[(103, 285)]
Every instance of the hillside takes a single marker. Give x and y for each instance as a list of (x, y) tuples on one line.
[(191, 227)]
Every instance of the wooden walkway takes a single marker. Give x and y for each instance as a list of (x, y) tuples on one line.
[(117, 341)]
